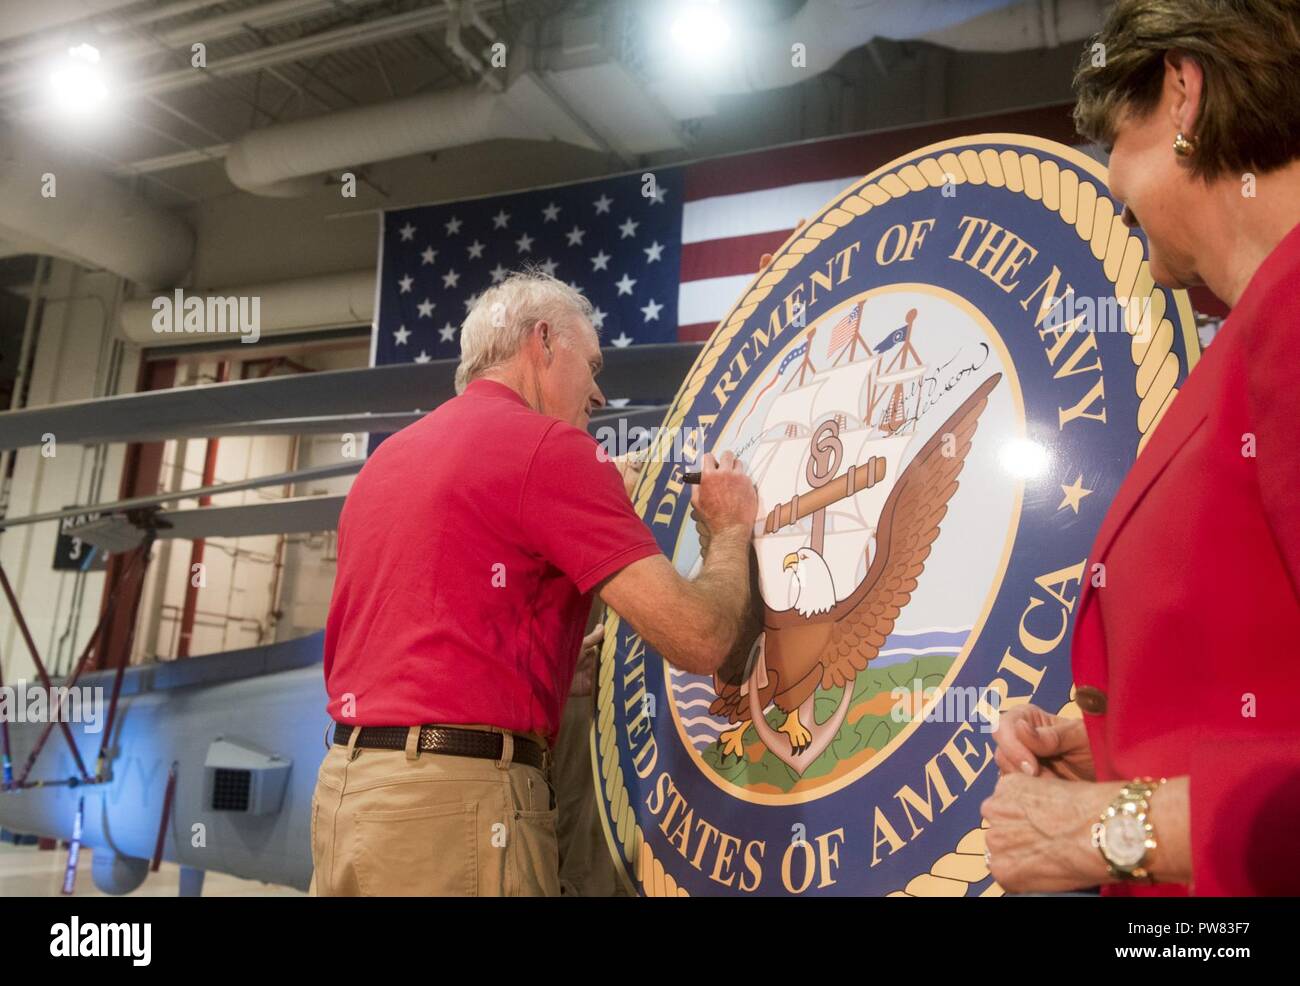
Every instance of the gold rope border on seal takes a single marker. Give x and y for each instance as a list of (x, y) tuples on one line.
[(1093, 216)]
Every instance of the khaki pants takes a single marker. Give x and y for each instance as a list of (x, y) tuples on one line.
[(390, 823)]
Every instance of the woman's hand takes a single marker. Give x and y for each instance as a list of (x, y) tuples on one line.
[(1039, 835), (1031, 741)]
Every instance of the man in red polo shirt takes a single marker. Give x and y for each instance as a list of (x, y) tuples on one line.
[(469, 549)]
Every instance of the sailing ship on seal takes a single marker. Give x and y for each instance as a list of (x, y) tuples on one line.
[(845, 529)]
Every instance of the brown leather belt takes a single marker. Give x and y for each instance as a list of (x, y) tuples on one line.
[(448, 740)]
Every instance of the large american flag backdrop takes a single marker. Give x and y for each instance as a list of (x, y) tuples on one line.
[(657, 268)]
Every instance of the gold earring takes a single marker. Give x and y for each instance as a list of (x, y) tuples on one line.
[(1184, 146)]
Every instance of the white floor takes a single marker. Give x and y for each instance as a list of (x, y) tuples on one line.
[(26, 871)]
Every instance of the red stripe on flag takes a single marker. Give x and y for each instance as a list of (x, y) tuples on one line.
[(844, 330), (730, 256), (698, 332), (821, 160)]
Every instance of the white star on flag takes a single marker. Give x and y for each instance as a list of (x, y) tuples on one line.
[(423, 357), (637, 267)]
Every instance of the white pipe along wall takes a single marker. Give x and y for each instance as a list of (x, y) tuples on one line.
[(328, 301), (275, 160)]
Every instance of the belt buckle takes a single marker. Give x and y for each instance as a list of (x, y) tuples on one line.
[(548, 758)]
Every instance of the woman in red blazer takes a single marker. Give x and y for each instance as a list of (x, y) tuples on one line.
[(1183, 775)]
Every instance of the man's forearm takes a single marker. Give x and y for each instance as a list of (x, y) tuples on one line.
[(726, 586)]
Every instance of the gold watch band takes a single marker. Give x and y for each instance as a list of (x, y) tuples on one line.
[(1134, 799)]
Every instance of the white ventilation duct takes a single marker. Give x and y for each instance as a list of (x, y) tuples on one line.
[(577, 71), (276, 160), (1036, 24), (764, 58), (8, 249), (303, 304), (88, 217)]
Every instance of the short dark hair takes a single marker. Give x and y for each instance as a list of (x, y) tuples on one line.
[(1249, 51)]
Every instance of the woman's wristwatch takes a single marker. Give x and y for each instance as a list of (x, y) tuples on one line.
[(1124, 835)]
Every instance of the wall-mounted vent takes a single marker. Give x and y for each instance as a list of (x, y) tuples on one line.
[(239, 778), (230, 789)]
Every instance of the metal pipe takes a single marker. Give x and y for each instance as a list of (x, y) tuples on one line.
[(337, 39), (102, 762), (24, 357), (156, 500), (168, 795), (105, 25), (196, 546), (159, 14), (40, 667), (229, 25)]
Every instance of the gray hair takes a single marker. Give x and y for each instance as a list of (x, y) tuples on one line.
[(498, 325)]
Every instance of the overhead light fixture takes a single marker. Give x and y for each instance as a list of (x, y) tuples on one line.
[(700, 31), (85, 53), (77, 82)]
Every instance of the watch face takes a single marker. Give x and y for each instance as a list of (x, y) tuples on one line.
[(1125, 840)]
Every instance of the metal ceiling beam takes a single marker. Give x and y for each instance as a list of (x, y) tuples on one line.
[(221, 26), (166, 162), (149, 41), (323, 42)]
